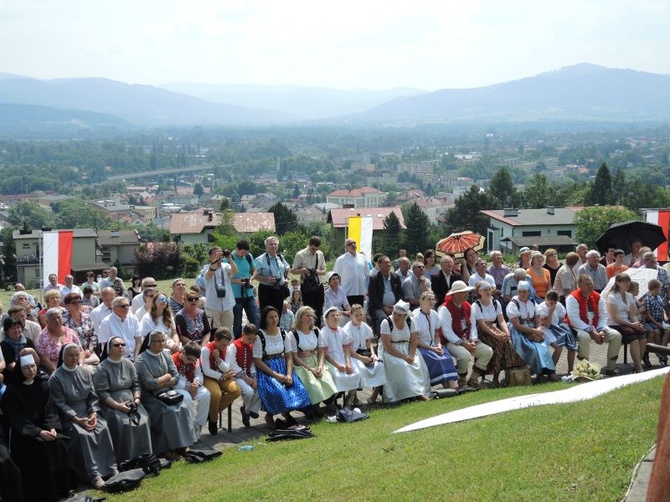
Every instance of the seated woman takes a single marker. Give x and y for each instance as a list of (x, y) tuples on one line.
[(118, 389), (192, 322), (336, 297), (527, 335), (52, 300), (38, 448), (406, 372), (622, 314), (440, 363), (160, 318), (363, 356), (72, 391), (557, 333), (171, 432), (53, 338), (492, 330), (309, 357), (219, 378), (338, 352), (279, 388), (14, 346), (80, 322)]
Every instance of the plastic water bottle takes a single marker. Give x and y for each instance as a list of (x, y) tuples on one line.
[(247, 447)]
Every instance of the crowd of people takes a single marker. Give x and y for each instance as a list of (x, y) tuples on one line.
[(103, 374)]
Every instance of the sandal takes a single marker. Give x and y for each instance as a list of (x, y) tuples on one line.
[(613, 372)]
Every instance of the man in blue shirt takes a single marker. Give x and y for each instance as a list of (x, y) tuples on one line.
[(242, 287)]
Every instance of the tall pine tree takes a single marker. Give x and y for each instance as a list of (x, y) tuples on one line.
[(393, 235), (417, 226)]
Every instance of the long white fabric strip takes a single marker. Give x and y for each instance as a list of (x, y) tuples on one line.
[(579, 392)]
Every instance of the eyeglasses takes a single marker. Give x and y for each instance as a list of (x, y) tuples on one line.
[(118, 345), (161, 299)]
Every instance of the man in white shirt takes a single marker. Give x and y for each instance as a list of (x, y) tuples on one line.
[(104, 309), (70, 287), (404, 268), (53, 284), (480, 274), (587, 315), (138, 301), (352, 267), (123, 324)]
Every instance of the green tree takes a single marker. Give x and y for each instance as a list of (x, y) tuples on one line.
[(285, 219), (8, 270), (198, 189), (76, 213), (30, 213), (618, 185), (417, 226), (465, 215), (600, 193), (538, 192), (393, 234), (502, 188), (591, 222)]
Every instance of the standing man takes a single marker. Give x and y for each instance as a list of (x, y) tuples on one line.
[(272, 274), (403, 271), (178, 297), (384, 291), (53, 284), (108, 281), (587, 316), (245, 300), (105, 307), (650, 261), (352, 267), (220, 298), (581, 251), (138, 301), (311, 265)]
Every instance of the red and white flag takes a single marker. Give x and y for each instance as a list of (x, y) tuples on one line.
[(56, 254), (661, 218)]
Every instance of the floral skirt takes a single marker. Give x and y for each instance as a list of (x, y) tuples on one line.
[(504, 355)]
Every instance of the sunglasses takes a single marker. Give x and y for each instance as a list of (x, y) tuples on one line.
[(192, 299), (162, 299), (75, 302), (124, 306)]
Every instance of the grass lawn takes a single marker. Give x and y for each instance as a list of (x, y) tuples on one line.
[(582, 451)]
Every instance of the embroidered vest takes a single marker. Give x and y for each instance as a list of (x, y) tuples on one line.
[(244, 356), (188, 370), (458, 315), (212, 360), (592, 300)]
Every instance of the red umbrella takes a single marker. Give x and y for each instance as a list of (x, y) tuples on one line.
[(456, 244)]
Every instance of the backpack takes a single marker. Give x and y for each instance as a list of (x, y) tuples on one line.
[(202, 453), (262, 337), (297, 338)]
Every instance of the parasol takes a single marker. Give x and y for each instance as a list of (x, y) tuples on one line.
[(640, 275), (456, 244)]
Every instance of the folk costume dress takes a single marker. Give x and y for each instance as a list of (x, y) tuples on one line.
[(536, 354), (306, 346), (403, 380), (372, 375), (504, 354), (276, 396), (74, 395), (334, 341), (441, 368), (47, 469), (170, 424), (131, 434), (559, 332)]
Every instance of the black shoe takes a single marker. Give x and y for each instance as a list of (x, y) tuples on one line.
[(253, 415), (663, 360), (245, 418), (646, 361), (213, 428)]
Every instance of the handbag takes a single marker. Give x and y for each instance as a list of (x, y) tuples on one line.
[(312, 283), (630, 330), (170, 397), (518, 376)]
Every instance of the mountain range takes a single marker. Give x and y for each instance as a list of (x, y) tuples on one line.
[(579, 93)]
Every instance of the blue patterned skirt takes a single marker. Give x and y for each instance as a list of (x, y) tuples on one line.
[(277, 397), (536, 354)]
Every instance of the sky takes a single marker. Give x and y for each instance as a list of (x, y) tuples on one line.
[(370, 44)]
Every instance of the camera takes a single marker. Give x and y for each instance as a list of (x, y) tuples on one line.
[(277, 284), (247, 283), (226, 253)]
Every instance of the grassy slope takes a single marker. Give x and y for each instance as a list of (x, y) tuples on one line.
[(581, 451)]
